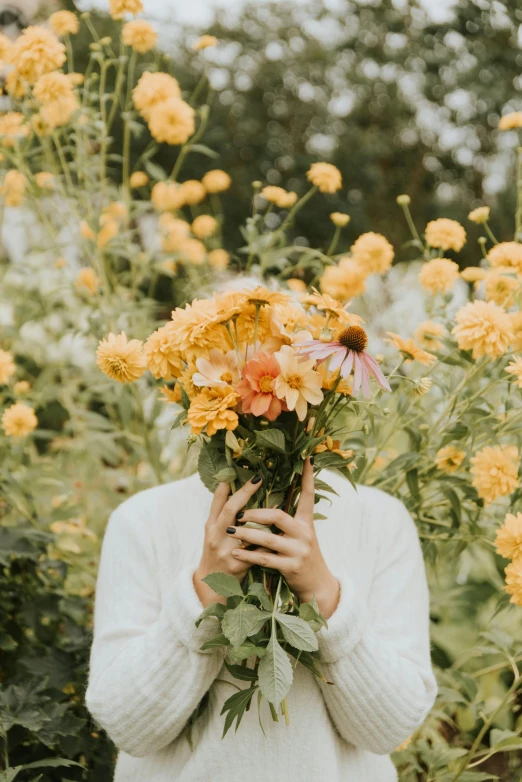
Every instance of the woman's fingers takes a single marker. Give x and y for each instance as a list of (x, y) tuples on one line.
[(266, 539), (305, 506), (237, 501), (218, 501), (279, 518), (263, 558)]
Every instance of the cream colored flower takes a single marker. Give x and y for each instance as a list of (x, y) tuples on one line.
[(219, 369), (204, 226), (511, 121), (204, 42), (218, 259), (167, 196), (216, 181), (326, 177), (298, 384), (514, 580), (153, 89), (19, 420), (193, 192), (121, 359), (509, 537), (13, 188), (88, 279), (373, 252), (35, 52), (495, 471), (339, 219), (515, 368), (172, 122), (506, 254), (64, 23), (139, 35), (138, 179), (428, 334), (445, 234), (449, 458), (479, 215), (7, 366), (484, 328), (438, 275), (118, 8), (344, 281)]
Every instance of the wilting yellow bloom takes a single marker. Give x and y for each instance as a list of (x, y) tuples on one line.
[(344, 281), (87, 278), (515, 368), (64, 23), (204, 225), (339, 219), (164, 360), (495, 471), (12, 128), (167, 196), (212, 408), (139, 35), (479, 215), (506, 254), (86, 231), (438, 275), (516, 327), (218, 259), (138, 179), (509, 537), (473, 274), (35, 52), (500, 288), (44, 180), (193, 192), (296, 285), (153, 89), (172, 121), (511, 121), (216, 181), (121, 359), (22, 387), (192, 250), (279, 196), (446, 234), (427, 334), (118, 8), (484, 328), (449, 458), (13, 188), (204, 42), (19, 420), (109, 230), (410, 350), (7, 366), (326, 177), (514, 581), (373, 252)]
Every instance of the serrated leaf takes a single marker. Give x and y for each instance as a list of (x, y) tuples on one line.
[(213, 643), (243, 621), (236, 706), (210, 462), (226, 475), (275, 672), (214, 609), (257, 589), (297, 632), (224, 584), (309, 612), (271, 438), (245, 651)]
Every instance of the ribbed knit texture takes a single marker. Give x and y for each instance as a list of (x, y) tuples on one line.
[(148, 674)]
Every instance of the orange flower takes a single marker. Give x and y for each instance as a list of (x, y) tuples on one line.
[(212, 409)]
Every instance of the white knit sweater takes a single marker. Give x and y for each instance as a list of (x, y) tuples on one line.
[(147, 673)]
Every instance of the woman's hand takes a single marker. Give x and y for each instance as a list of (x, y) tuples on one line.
[(217, 545), (295, 553)]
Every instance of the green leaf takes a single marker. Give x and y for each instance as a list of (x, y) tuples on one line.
[(322, 486), (223, 584), (210, 462), (310, 613), (213, 643), (242, 672), (243, 621), (236, 706), (275, 672), (257, 589), (12, 773), (243, 652), (214, 609), (297, 632), (226, 475), (155, 171), (203, 150), (319, 517), (273, 439)]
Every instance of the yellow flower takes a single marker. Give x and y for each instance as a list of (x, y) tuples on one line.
[(204, 226), (167, 196), (514, 581), (339, 219), (344, 281), (175, 232), (495, 471), (212, 408), (121, 359), (438, 274), (500, 288), (13, 188), (6, 48), (110, 229), (87, 278), (511, 121), (186, 382), (328, 380), (118, 8), (515, 368), (171, 395), (64, 23), (373, 252), (296, 285), (139, 35), (509, 537), (163, 357), (35, 52), (334, 446), (192, 250), (116, 210), (75, 78), (449, 458), (325, 177), (473, 274), (516, 327), (218, 259), (12, 128), (298, 384), (428, 333), (44, 180), (7, 366), (193, 192), (153, 89), (59, 112), (19, 420), (279, 196), (204, 42), (172, 121), (15, 86), (479, 215), (446, 234), (484, 328), (51, 87), (410, 350), (138, 179), (216, 181), (22, 387), (86, 231), (196, 329), (506, 254)]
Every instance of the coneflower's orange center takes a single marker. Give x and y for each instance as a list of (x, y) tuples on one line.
[(295, 381), (354, 338), (265, 384), (226, 377)]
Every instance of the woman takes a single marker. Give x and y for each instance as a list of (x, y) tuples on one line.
[(364, 566)]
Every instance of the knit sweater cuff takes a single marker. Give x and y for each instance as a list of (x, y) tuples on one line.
[(346, 625), (183, 608)]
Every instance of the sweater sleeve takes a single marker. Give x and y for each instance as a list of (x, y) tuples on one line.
[(376, 653), (147, 673)]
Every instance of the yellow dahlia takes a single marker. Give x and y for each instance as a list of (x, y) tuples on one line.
[(204, 225), (438, 275), (88, 279), (511, 121), (118, 8), (164, 360), (167, 196), (479, 215), (495, 471), (153, 89), (59, 112), (500, 288), (339, 219), (7, 366), (514, 581), (13, 188), (64, 23), (51, 87), (15, 86), (216, 181), (193, 192), (446, 234), (373, 252), (196, 329), (172, 122), (218, 259), (138, 179), (484, 328), (212, 408), (506, 254), (19, 420), (204, 42), (121, 359), (449, 458), (410, 350), (12, 128), (344, 281), (139, 35), (509, 537), (6, 48), (326, 177), (515, 368), (428, 334), (516, 328), (35, 52)]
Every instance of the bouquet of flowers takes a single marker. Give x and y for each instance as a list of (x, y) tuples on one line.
[(261, 378)]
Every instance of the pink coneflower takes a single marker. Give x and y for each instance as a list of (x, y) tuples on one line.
[(257, 388), (346, 353)]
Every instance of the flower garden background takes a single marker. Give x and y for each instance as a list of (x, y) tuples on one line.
[(135, 180)]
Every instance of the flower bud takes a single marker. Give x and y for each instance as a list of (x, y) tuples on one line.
[(404, 200)]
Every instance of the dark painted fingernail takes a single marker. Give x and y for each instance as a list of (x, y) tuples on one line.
[(240, 515), (231, 530), (256, 479), (312, 459)]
